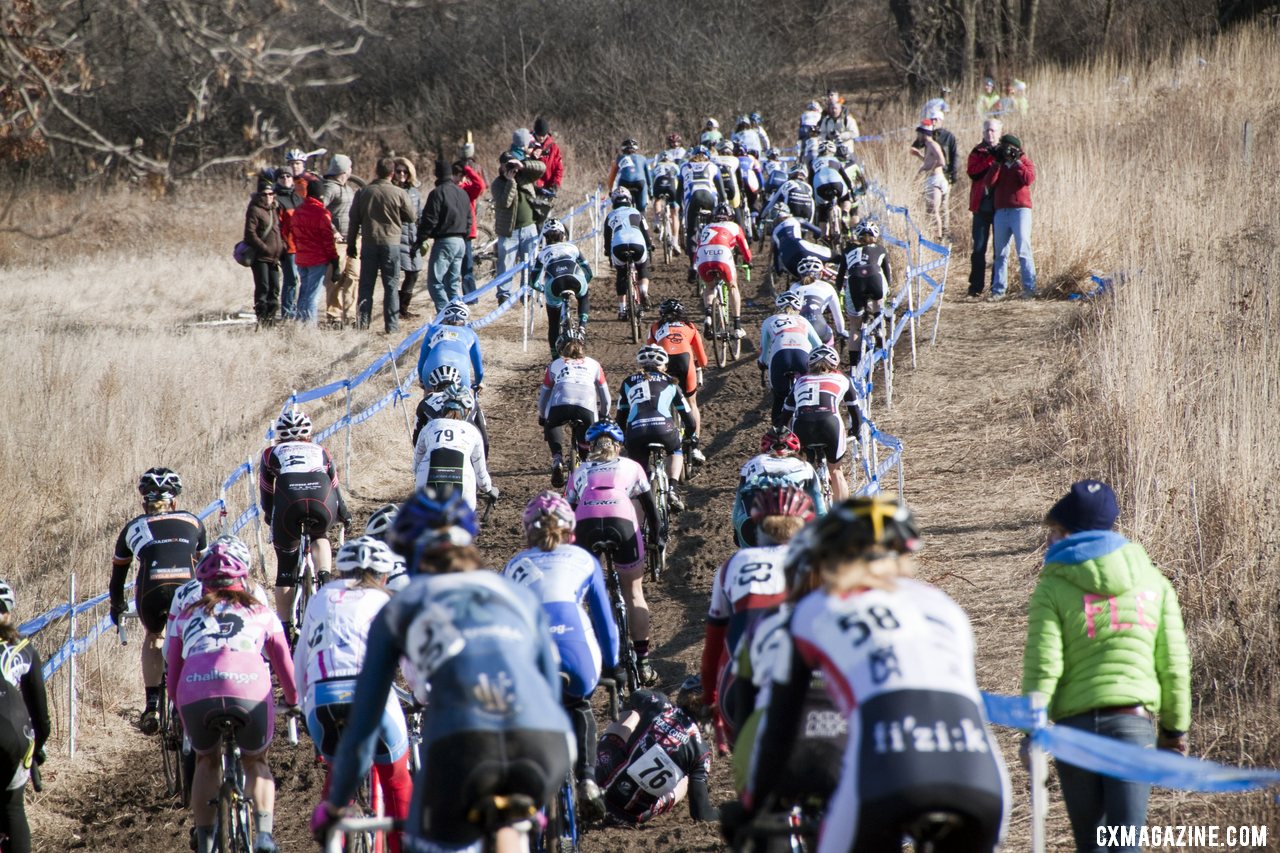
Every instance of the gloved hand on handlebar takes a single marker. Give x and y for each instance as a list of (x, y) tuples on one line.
[(493, 494), (117, 611), (323, 819)]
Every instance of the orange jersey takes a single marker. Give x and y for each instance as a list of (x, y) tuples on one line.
[(683, 344)]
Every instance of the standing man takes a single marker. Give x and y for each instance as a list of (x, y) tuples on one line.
[(288, 200), (1106, 646), (936, 188), (547, 186), (337, 197), (982, 203), (988, 99), (447, 220), (513, 194), (1010, 182), (379, 212), (837, 123)]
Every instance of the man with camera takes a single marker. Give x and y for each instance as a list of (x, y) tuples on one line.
[(982, 203), (1009, 180), (513, 202)]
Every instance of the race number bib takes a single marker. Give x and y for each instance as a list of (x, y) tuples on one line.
[(639, 393), (655, 773), (139, 536), (525, 572), (754, 579), (433, 640)]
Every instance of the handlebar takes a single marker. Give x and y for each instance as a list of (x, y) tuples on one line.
[(338, 832)]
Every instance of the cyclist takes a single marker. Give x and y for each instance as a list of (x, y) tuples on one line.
[(166, 542), (853, 172), (809, 118), (378, 526), (720, 245), (482, 646), (24, 723), (601, 491), (630, 171), (570, 584), (790, 247), (675, 147), (746, 134), (810, 145), (574, 391), (831, 186), (710, 134), (298, 490), (654, 756), (864, 277), (449, 452), (749, 586), (191, 591), (450, 341), (757, 124), (814, 404), (704, 188), (786, 339), (666, 196), (778, 458), (330, 652), (652, 409), (918, 664), (723, 157), (820, 300), (216, 668), (686, 355), (558, 271), (793, 197), (431, 406), (626, 233)]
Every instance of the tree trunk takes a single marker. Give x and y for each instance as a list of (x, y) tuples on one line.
[(969, 52), (907, 33), (1030, 10)]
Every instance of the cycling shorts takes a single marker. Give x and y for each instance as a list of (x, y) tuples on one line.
[(802, 209), (665, 187), (700, 200), (628, 555), (680, 367), (713, 271), (579, 417), (327, 717), (823, 428), (153, 598), (463, 768), (637, 191), (579, 663), (638, 440), (566, 285), (628, 253), (792, 252), (784, 367), (303, 501), (864, 289), (258, 720), (833, 191)]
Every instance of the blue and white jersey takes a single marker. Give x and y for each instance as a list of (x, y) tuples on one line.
[(570, 583), (560, 269), (703, 175), (775, 175), (666, 169), (625, 226), (792, 230), (751, 140), (820, 299), (828, 172), (457, 346), (633, 169), (795, 194)]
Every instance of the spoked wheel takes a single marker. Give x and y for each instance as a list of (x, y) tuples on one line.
[(170, 752), (363, 842), (633, 308), (719, 332)]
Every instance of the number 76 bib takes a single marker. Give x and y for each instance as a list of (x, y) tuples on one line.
[(655, 773)]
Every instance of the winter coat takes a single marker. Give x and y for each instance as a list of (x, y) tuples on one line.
[(554, 175), (1012, 184), (513, 200), (472, 183), (338, 197), (287, 201), (262, 230), (981, 160), (1104, 630), (378, 213), (447, 212), (312, 227), (410, 261)]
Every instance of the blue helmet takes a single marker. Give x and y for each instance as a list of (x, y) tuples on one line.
[(605, 427), (430, 510)]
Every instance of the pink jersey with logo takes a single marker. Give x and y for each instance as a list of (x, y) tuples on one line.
[(220, 654), (605, 489)]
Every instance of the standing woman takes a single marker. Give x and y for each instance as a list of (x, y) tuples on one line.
[(262, 233), (406, 177), (24, 724)]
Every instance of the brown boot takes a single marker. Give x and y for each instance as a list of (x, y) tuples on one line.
[(406, 296)]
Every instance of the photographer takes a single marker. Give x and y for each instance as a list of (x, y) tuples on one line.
[(982, 204), (1010, 183), (513, 202)]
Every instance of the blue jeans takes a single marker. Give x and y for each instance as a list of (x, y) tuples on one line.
[(1094, 800), (288, 286), (379, 261), (312, 279), (1012, 223), (511, 251), (469, 269), (444, 268)]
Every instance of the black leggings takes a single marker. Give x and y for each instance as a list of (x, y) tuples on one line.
[(553, 318), (584, 730), (13, 818), (579, 417), (266, 290)]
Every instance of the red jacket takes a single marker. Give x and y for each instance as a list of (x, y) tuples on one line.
[(1012, 184), (555, 165), (472, 183), (980, 161), (312, 229)]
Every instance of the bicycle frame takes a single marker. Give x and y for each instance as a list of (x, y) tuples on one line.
[(661, 483), (633, 303), (234, 821), (619, 606), (817, 454)]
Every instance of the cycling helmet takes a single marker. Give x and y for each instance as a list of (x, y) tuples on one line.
[(674, 140), (824, 355), (689, 699), (295, 154), (861, 525), (365, 554), (630, 146), (652, 356), (220, 567), (672, 308), (548, 508), (782, 210), (159, 484), (739, 150), (621, 197), (809, 266), (788, 299), (7, 599), (445, 374), (700, 151), (381, 520), (742, 121), (458, 398), (571, 336), (779, 438), (666, 157), (455, 313), (604, 427), (756, 118), (773, 154), (867, 229), (724, 146), (827, 148), (723, 213), (711, 124), (797, 172), (429, 509), (813, 105), (776, 496), (843, 151), (554, 228), (235, 547), (293, 424)]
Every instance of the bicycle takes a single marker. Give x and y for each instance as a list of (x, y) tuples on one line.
[(413, 723), (368, 802), (307, 582), (176, 756), (233, 823), (656, 553), (605, 551), (357, 827), (662, 228), (633, 303), (561, 832), (817, 456)]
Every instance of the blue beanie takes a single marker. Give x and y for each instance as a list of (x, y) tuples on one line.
[(1090, 505)]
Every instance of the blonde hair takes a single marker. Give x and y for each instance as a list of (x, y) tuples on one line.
[(879, 571), (213, 597), (454, 414), (163, 505), (460, 558), (8, 630), (604, 449), (547, 538), (573, 349), (780, 528)]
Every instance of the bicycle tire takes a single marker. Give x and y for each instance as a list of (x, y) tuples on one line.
[(719, 333), (619, 607), (244, 825), (568, 808), (732, 342), (633, 305), (225, 820), (170, 757)]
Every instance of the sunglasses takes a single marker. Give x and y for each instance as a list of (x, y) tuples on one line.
[(402, 171)]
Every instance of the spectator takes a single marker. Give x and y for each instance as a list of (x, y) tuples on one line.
[(1010, 182), (946, 140), (936, 188), (337, 197), (287, 200), (1020, 96), (262, 233), (406, 177), (446, 220), (836, 122), (809, 119), (982, 159), (379, 212), (317, 249), (295, 160), (548, 186), (1105, 645), (467, 176), (512, 193), (988, 99)]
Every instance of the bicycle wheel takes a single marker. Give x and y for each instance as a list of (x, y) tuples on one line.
[(224, 837), (633, 305), (363, 842), (244, 826), (170, 750), (626, 650), (733, 342), (719, 332)]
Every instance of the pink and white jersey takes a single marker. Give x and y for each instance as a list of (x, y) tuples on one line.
[(298, 457), (191, 591), (605, 489), (220, 654), (335, 633), (574, 382)]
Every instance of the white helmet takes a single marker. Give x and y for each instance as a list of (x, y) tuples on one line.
[(366, 554), (809, 266), (234, 545), (293, 424), (381, 520), (789, 299), (824, 355), (652, 355), (455, 313), (445, 374)]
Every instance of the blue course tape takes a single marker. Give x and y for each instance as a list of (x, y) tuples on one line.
[(243, 469)]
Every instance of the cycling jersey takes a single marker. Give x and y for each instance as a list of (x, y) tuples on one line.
[(666, 181), (798, 196), (810, 149), (704, 177), (601, 489), (687, 355), (191, 592), (789, 247), (784, 333), (900, 665), (166, 545), (450, 454), (752, 139), (775, 175), (728, 166), (632, 171), (820, 300), (717, 245), (298, 489), (574, 382), (793, 469), (865, 271), (641, 775), (829, 180), (815, 402), (431, 407), (626, 233), (749, 174), (651, 408), (559, 270), (456, 346), (24, 718)]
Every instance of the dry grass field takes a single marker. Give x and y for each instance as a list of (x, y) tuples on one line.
[(1169, 388)]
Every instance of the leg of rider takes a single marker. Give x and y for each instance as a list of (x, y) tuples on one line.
[(153, 667), (839, 485), (286, 590), (204, 793), (584, 310), (584, 730), (735, 303), (322, 554), (675, 466), (17, 831), (553, 326), (637, 612), (262, 787), (620, 284), (642, 276), (397, 790)]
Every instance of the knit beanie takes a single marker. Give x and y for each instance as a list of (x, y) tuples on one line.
[(1090, 505), (340, 164), (1010, 139), (540, 127), (266, 183), (521, 138)]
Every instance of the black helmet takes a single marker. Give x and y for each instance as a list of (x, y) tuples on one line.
[(159, 484), (629, 145), (672, 308), (723, 213)]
